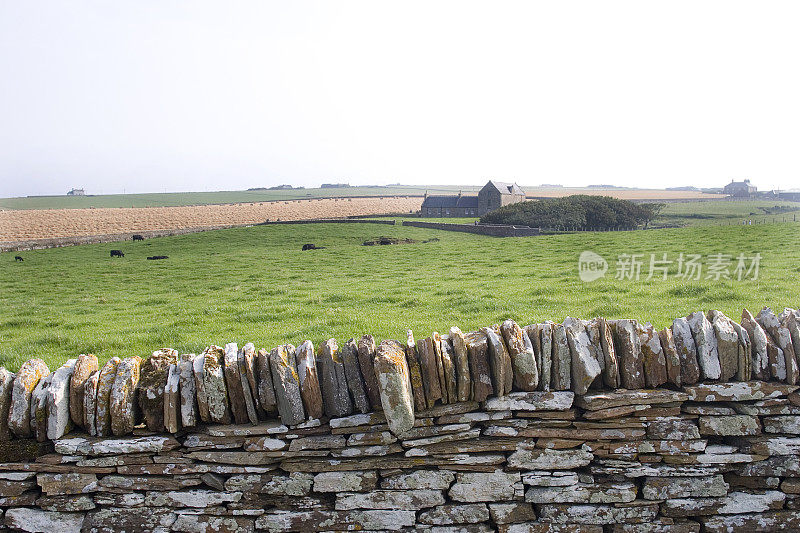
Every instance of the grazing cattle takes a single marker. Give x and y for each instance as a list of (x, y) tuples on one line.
[(312, 247), (18, 258), (156, 257), (117, 253), (138, 237)]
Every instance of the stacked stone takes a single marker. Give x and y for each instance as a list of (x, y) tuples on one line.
[(713, 457)]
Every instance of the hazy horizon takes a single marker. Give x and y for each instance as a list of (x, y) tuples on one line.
[(160, 97)]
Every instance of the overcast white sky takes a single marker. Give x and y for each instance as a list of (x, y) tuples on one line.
[(161, 95)]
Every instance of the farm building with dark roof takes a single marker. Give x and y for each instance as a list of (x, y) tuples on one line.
[(493, 195)]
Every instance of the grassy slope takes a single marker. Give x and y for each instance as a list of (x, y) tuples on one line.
[(729, 211), (254, 284)]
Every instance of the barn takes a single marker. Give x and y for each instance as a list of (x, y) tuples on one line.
[(493, 195)]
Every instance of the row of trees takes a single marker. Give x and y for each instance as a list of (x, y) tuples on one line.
[(581, 211)]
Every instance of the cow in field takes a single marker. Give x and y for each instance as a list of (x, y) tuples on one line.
[(117, 253), (18, 258), (138, 237), (312, 247), (156, 257)]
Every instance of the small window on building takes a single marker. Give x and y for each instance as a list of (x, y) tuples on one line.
[(446, 211)]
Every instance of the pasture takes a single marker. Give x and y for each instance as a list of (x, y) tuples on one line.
[(255, 284)]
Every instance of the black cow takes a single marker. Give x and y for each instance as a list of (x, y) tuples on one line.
[(312, 247), (156, 257), (117, 253), (18, 258), (138, 237)]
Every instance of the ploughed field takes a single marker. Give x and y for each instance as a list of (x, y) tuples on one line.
[(256, 285), (19, 225)]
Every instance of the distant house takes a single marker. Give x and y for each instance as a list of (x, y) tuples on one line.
[(493, 195), (76, 192), (741, 189)]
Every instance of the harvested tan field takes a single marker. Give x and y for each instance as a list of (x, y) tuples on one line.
[(622, 194), (23, 225)]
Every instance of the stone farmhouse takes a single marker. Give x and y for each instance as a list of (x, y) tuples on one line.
[(493, 195), (741, 189)]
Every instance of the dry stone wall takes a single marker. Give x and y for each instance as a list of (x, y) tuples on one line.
[(583, 426)]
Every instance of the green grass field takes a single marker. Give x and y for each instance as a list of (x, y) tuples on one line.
[(729, 212), (254, 284)]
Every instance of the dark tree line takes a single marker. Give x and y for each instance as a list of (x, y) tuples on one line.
[(581, 212)]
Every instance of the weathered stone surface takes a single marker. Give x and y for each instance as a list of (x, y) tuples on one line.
[(653, 359), (478, 354), (605, 340), (309, 382), (389, 499), (606, 400), (84, 367), (471, 513), (782, 424), (727, 344), (584, 364), (122, 398), (67, 483), (545, 333), (687, 351), (287, 385), (782, 338), (233, 383), (596, 514), (737, 392), (117, 519), (200, 388), (191, 498), (192, 523), (706, 342), (523, 357), (561, 370), (448, 367), (6, 389), (733, 503), (732, 425), (263, 444), (626, 344), (672, 429), (510, 513), (461, 360), (499, 362), (39, 409), (357, 481), (105, 383), (415, 370), (394, 383), (249, 375), (671, 356), (420, 479), (90, 403), (152, 379), (660, 488), (19, 416), (549, 527), (773, 521), (532, 401), (25, 519), (616, 492), (66, 503), (370, 520), (758, 340), (58, 420), (366, 353), (744, 353), (265, 387), (429, 363), (214, 387), (128, 445), (172, 407), (485, 486), (187, 391), (528, 458), (335, 396)]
